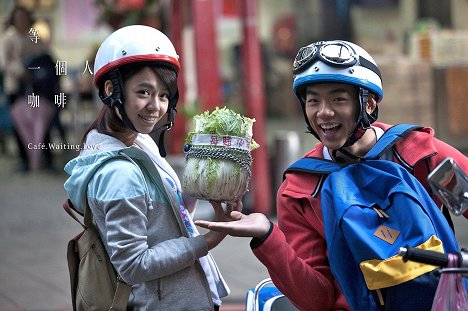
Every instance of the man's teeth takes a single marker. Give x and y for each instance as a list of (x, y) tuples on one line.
[(329, 126)]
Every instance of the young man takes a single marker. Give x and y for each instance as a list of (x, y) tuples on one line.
[(339, 87)]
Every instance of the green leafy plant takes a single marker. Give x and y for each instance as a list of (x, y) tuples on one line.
[(214, 172), (223, 121)]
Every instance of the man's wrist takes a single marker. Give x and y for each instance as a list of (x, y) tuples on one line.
[(256, 242)]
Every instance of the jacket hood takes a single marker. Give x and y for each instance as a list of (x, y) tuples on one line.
[(97, 149)]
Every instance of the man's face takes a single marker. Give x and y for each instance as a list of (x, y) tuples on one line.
[(332, 110)]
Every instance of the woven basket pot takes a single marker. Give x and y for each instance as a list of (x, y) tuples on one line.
[(217, 173)]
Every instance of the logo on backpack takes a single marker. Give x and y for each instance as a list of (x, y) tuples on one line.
[(387, 234)]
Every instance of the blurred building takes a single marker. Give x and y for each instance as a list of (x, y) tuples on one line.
[(420, 46)]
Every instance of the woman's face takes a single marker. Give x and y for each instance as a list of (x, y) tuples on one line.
[(146, 99)]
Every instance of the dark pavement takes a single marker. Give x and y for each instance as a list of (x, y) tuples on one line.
[(34, 231)]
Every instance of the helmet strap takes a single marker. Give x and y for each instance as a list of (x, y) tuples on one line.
[(116, 99), (309, 127), (171, 114), (125, 118), (363, 123), (346, 153)]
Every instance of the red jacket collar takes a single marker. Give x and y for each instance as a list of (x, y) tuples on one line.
[(412, 149)]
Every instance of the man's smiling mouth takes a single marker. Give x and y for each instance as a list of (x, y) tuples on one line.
[(329, 127)]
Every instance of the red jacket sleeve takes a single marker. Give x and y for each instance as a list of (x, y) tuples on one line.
[(422, 151), (446, 151), (296, 255)]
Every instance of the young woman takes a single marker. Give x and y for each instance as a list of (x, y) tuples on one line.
[(133, 193)]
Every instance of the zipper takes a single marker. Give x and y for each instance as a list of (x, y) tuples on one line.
[(147, 193), (93, 247), (204, 280), (380, 297), (380, 212), (171, 197), (174, 203), (159, 289)]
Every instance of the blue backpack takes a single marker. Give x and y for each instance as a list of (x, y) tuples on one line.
[(371, 209)]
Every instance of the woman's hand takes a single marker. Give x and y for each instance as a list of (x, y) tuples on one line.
[(213, 238), (190, 202)]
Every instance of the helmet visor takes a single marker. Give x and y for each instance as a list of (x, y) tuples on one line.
[(334, 53)]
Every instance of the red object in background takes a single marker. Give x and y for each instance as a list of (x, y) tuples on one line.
[(284, 35), (125, 5), (254, 99), (206, 54), (152, 22), (178, 131), (231, 8)]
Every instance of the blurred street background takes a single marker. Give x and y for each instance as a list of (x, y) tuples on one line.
[(234, 53)]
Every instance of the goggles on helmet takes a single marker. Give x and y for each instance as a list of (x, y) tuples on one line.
[(334, 53)]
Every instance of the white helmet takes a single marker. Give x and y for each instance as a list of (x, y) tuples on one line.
[(339, 62), (135, 43)]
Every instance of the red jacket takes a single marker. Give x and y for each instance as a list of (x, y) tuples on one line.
[(295, 253)]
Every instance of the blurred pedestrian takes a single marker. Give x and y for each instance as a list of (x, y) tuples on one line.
[(27, 64)]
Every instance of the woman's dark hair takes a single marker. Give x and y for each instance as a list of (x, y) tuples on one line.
[(11, 18), (108, 122)]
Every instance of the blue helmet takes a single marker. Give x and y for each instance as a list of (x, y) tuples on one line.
[(339, 61)]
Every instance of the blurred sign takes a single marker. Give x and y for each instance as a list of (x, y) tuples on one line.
[(231, 8), (450, 105), (441, 48), (284, 35), (36, 4), (457, 93)]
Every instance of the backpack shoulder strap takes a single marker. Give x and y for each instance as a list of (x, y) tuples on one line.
[(87, 214), (122, 290), (390, 138), (314, 165), (70, 209), (323, 166)]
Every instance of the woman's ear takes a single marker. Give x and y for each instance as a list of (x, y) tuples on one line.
[(371, 103), (108, 88)]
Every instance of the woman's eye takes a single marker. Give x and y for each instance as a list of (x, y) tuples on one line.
[(144, 92), (165, 96)]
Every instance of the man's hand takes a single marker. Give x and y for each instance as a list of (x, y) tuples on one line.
[(255, 225)]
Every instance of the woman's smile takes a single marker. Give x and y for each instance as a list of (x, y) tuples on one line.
[(149, 118)]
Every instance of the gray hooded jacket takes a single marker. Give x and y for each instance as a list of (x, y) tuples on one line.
[(140, 225)]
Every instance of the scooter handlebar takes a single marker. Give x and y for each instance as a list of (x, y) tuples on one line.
[(424, 256)]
